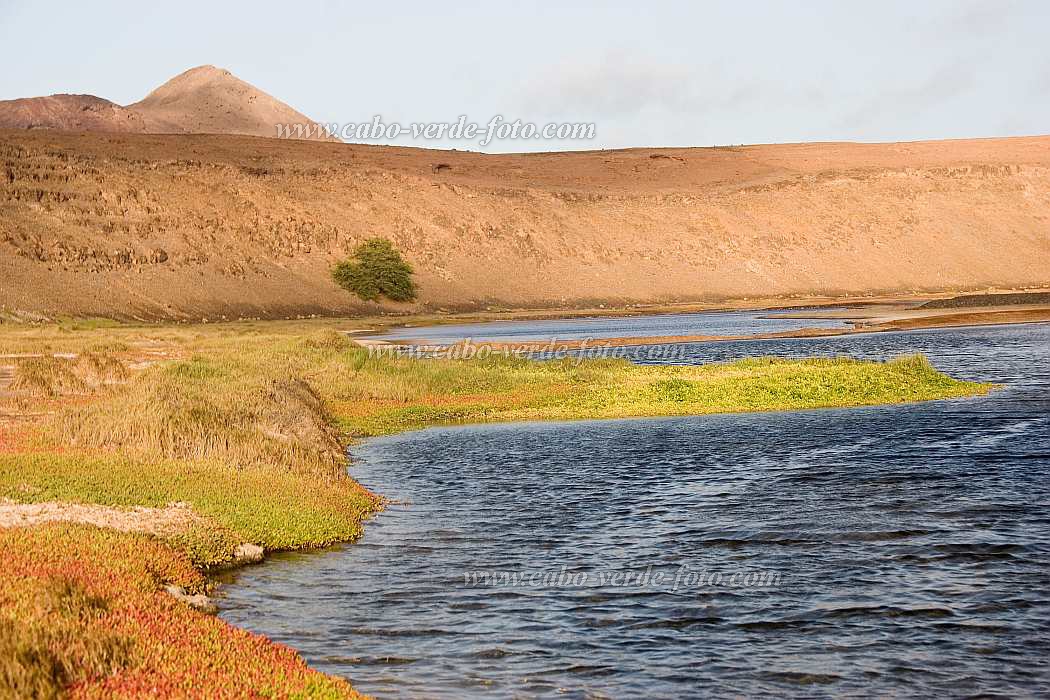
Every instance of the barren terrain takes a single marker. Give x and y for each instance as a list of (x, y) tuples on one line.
[(199, 226)]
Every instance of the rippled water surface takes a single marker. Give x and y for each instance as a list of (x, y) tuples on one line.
[(911, 545)]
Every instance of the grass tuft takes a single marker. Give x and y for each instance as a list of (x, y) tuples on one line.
[(51, 376)]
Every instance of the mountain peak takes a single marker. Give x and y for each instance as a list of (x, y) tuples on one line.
[(212, 100), (207, 69), (202, 74), (202, 100), (195, 79)]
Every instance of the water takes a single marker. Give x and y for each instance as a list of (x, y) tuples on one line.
[(716, 323), (912, 545)]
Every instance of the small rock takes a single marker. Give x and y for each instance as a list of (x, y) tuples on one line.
[(248, 553), (199, 601)]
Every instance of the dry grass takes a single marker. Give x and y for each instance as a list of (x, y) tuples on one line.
[(180, 412), (51, 376)]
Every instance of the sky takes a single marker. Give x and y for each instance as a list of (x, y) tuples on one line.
[(644, 73)]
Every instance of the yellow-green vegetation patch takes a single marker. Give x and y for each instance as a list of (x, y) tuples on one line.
[(405, 396), (266, 506)]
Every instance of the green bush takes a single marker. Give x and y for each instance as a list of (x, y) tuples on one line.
[(376, 269)]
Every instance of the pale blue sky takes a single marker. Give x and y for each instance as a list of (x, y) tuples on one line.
[(647, 73)]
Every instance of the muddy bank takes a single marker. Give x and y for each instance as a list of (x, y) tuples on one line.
[(980, 300)]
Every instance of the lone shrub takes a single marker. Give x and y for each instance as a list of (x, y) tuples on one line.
[(376, 269)]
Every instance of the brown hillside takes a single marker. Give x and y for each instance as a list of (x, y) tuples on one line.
[(205, 100), (70, 113), (211, 225)]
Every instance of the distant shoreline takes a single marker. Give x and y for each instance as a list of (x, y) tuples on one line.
[(866, 316)]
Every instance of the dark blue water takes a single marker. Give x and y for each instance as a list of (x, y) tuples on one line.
[(909, 545), (707, 323)]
